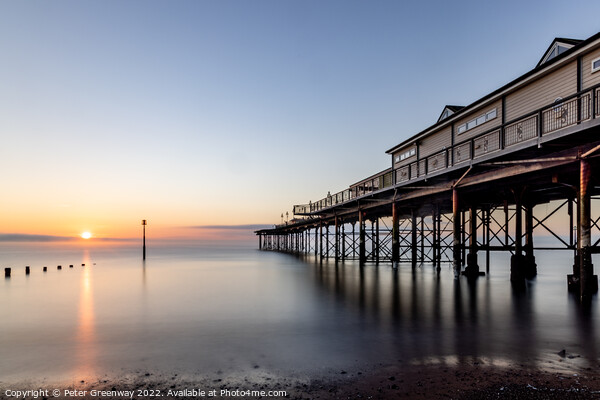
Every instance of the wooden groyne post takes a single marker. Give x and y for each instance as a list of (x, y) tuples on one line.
[(144, 223)]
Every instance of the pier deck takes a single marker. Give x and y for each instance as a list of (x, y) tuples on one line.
[(495, 161)]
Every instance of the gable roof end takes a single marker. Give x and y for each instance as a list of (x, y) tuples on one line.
[(555, 47), (448, 111)]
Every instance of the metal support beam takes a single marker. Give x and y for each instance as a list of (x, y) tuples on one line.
[(456, 225), (463, 247), (327, 240), (586, 282), (487, 238), (434, 237), (472, 269), (362, 256), (377, 240), (395, 235), (530, 265), (373, 240), (343, 242), (517, 261), (422, 235), (353, 239), (321, 238), (337, 239), (506, 236), (414, 238)]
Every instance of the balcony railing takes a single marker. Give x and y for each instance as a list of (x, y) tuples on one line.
[(377, 182), (561, 114)]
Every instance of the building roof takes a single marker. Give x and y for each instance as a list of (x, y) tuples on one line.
[(540, 67)]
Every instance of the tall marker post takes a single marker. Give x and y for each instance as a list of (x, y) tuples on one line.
[(144, 238)]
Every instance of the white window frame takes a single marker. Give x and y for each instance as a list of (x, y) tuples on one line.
[(598, 67), (405, 155), (472, 123)]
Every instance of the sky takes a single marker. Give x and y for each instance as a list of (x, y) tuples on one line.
[(200, 116)]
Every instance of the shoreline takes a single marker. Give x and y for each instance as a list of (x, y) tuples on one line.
[(468, 380)]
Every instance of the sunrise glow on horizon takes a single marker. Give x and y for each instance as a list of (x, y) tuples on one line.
[(217, 114)]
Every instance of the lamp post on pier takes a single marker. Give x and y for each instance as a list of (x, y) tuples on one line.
[(144, 239)]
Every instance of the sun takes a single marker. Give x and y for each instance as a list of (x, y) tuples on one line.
[(86, 235)]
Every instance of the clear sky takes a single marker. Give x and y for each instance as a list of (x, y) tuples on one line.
[(195, 113)]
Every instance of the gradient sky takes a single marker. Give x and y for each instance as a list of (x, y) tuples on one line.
[(193, 113)]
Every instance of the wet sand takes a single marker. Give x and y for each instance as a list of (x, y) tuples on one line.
[(467, 380)]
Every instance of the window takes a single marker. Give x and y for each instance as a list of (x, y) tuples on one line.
[(596, 65), (405, 155), (482, 119)]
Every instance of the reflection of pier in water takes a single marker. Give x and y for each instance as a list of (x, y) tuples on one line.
[(431, 317), (473, 181)]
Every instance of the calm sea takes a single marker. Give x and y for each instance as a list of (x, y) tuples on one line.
[(217, 309)]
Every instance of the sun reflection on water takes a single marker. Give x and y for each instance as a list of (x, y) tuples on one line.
[(86, 334)]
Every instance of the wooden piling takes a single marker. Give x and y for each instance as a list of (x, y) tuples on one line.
[(7, 272), (45, 269), (144, 223), (27, 270)]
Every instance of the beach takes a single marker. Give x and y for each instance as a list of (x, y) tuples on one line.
[(469, 380)]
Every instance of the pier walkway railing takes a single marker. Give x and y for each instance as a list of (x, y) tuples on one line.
[(527, 130)]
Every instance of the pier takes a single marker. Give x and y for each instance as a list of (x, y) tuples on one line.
[(470, 184)]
